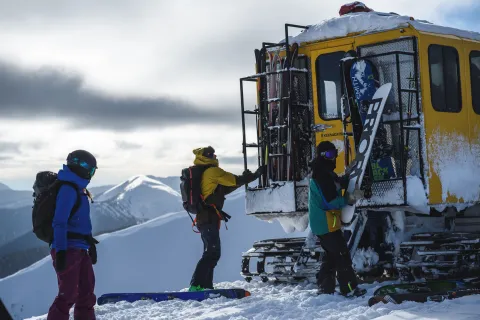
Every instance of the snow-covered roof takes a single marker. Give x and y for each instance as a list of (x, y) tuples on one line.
[(368, 22)]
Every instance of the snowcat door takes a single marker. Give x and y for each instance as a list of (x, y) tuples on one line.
[(329, 109)]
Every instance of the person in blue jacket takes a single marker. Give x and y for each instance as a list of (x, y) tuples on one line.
[(73, 248), (325, 203)]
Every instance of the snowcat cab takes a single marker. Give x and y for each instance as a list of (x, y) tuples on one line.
[(420, 215)]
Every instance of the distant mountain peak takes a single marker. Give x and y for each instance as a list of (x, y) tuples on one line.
[(171, 181), (4, 187), (150, 181), (145, 197)]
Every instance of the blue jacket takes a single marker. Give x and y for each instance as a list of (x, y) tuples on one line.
[(80, 221), (325, 217)]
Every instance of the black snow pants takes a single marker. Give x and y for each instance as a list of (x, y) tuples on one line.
[(203, 275), (336, 263)]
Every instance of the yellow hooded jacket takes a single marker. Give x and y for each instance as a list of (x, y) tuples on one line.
[(211, 179)]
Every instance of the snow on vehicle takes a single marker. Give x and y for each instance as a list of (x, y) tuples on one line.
[(421, 213)]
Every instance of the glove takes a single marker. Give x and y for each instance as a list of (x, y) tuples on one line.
[(353, 197), (246, 173), (245, 178), (225, 216), (260, 171), (92, 252), (60, 260), (358, 194)]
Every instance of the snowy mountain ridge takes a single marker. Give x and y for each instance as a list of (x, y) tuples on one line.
[(138, 198), (4, 187), (119, 191), (14, 199), (143, 197), (134, 201)]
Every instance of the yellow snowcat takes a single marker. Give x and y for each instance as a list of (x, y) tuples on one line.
[(420, 217)]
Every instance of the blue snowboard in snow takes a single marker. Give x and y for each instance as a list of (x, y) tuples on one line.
[(164, 296)]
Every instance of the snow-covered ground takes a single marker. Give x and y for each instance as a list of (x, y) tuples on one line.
[(161, 254), (157, 255), (289, 302)]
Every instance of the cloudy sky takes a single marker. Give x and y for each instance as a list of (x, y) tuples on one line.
[(141, 83)]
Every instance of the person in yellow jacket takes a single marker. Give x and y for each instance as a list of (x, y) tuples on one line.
[(215, 184)]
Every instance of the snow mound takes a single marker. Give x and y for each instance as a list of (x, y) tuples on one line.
[(369, 22), (288, 302), (279, 198), (455, 161), (365, 259), (145, 197)]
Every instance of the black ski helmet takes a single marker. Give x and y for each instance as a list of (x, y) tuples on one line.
[(326, 155), (209, 152), (83, 163), (325, 146)]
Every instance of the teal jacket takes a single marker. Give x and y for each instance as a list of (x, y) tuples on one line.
[(324, 216)]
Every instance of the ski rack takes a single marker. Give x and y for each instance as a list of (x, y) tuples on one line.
[(260, 109), (403, 127)]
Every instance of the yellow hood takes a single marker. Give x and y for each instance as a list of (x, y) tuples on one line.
[(201, 160)]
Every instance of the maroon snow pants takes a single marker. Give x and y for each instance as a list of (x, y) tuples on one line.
[(75, 286)]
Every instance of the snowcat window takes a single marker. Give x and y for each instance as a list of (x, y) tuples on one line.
[(475, 79), (444, 78), (327, 67)]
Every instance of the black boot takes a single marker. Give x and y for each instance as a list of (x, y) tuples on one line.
[(357, 292), (323, 291)]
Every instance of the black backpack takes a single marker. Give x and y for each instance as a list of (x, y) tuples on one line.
[(190, 187), (45, 191)]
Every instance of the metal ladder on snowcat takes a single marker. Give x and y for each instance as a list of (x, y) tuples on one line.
[(276, 142)]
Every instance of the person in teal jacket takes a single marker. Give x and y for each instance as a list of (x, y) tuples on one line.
[(325, 202)]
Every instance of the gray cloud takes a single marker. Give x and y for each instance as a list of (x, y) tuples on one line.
[(9, 147), (39, 11), (125, 145), (235, 160), (51, 93), (36, 145)]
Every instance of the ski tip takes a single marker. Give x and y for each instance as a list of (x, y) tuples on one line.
[(374, 300), (247, 293)]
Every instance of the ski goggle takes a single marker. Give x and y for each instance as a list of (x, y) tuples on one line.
[(91, 170), (329, 154), (211, 155)]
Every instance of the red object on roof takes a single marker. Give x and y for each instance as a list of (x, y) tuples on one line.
[(356, 6)]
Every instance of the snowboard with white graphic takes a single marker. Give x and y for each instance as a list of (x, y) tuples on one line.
[(372, 120)]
